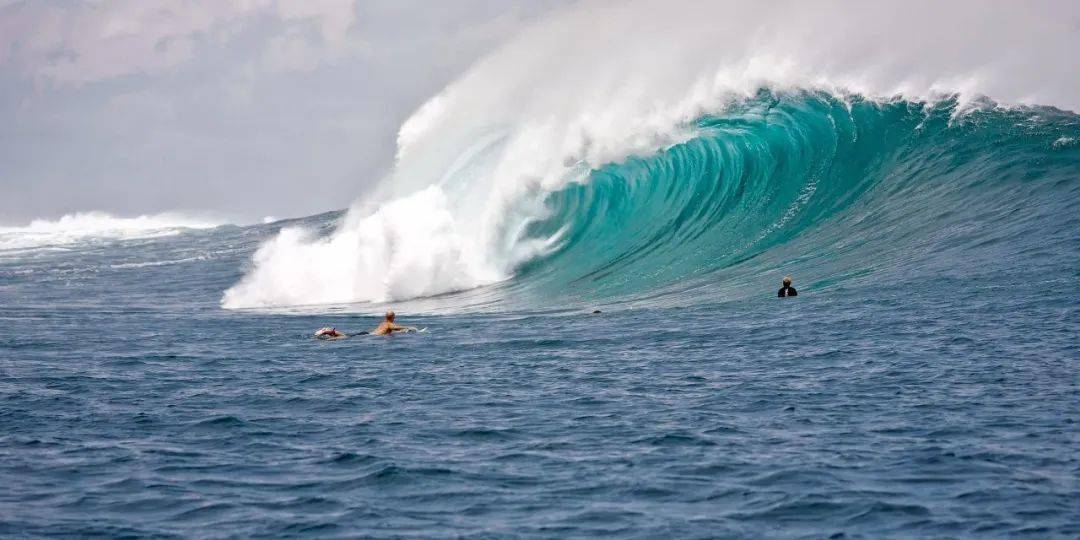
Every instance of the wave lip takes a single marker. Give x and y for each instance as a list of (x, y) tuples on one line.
[(830, 188), (489, 173), (83, 226)]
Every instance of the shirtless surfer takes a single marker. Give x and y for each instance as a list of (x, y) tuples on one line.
[(388, 327), (385, 328)]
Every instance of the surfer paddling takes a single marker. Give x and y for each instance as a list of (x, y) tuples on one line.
[(388, 327), (385, 328)]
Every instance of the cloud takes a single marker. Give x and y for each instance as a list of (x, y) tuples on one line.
[(333, 17), (239, 107), (316, 32), (92, 41)]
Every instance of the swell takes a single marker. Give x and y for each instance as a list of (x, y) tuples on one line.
[(838, 191), (640, 101)]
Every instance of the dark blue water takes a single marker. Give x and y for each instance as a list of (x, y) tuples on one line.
[(923, 384)]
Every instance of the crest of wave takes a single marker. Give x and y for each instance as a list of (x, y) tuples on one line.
[(602, 81)]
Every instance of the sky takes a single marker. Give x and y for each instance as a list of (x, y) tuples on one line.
[(239, 109)]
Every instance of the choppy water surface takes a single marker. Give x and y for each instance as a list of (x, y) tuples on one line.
[(924, 383), (909, 412)]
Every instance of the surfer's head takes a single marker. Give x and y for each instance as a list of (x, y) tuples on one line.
[(390, 315), (787, 281)]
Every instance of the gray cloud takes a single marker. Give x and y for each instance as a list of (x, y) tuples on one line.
[(241, 108)]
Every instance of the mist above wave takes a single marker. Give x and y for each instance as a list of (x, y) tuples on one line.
[(605, 81)]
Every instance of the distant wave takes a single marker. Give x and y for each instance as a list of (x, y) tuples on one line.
[(93, 225), (605, 134)]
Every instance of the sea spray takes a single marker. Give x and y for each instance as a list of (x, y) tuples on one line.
[(607, 82)]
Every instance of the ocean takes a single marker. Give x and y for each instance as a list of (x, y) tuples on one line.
[(161, 379)]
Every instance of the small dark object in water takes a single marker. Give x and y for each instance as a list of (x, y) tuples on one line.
[(596, 311), (787, 290)]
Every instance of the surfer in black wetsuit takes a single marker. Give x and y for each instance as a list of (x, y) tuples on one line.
[(787, 289)]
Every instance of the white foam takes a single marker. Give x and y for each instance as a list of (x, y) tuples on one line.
[(611, 79), (83, 226), (416, 238), (1063, 142)]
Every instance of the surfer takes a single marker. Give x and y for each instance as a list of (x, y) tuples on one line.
[(329, 332), (385, 328), (388, 327), (787, 289)]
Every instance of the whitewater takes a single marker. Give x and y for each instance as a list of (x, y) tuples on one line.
[(914, 167), (97, 226), (476, 164)]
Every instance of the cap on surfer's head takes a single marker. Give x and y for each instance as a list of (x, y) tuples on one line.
[(787, 280), (390, 315)]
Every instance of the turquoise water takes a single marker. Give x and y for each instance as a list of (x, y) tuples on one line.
[(837, 192), (924, 382)]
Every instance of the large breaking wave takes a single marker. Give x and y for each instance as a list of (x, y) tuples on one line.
[(644, 152)]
